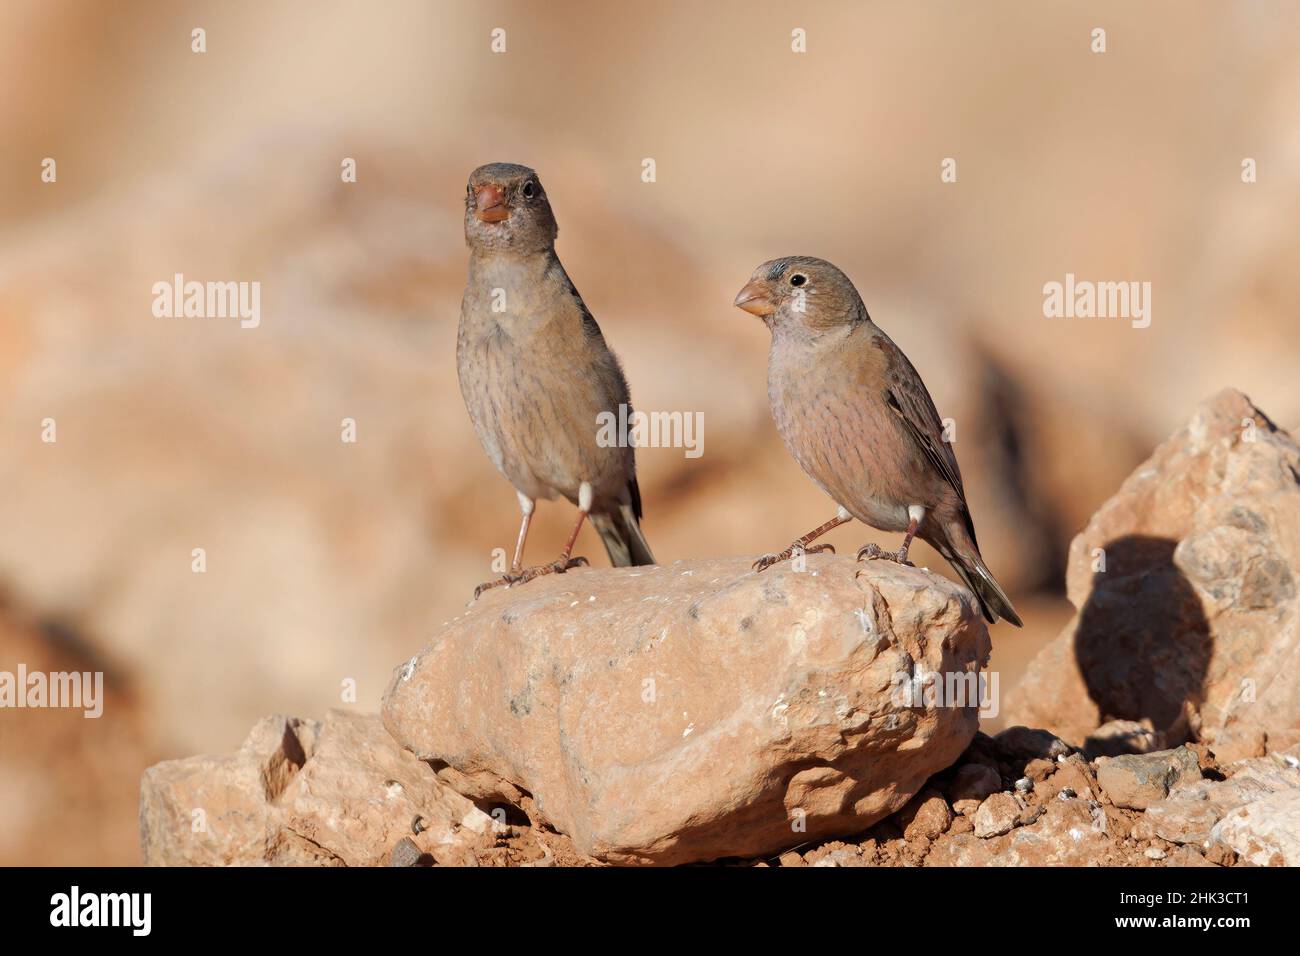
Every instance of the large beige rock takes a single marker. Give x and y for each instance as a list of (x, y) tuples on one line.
[(697, 711), (1192, 625), (303, 793)]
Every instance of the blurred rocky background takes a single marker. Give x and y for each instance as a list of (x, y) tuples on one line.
[(327, 562)]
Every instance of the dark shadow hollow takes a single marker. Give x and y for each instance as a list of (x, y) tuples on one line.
[(1143, 644)]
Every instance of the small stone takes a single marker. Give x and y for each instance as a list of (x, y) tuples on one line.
[(1039, 769), (925, 817), (1154, 853), (1187, 856), (1136, 781), (1030, 814), (1185, 817), (791, 858), (1024, 785), (1066, 794), (847, 856), (997, 815), (1220, 854), (405, 853)]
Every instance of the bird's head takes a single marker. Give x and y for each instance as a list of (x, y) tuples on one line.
[(801, 292), (506, 210)]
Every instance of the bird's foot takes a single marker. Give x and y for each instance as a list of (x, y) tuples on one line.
[(558, 566), (767, 560), (502, 582), (873, 552)]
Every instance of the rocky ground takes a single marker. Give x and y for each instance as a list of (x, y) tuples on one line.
[(702, 713), (1024, 798), (343, 794)]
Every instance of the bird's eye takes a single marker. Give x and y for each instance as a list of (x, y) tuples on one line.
[(529, 190), (798, 279)]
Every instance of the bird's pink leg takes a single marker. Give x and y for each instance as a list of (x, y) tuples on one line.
[(561, 564), (513, 576), (573, 539), (564, 562), (873, 552), (518, 562), (800, 545)]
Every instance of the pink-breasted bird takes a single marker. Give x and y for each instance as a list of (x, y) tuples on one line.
[(857, 417)]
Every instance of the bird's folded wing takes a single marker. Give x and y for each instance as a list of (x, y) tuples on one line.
[(912, 403)]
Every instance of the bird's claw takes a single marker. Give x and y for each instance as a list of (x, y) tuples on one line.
[(874, 552), (562, 564), (502, 582), (558, 566), (767, 560)]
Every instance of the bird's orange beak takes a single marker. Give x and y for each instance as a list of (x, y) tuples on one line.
[(490, 203), (753, 299)]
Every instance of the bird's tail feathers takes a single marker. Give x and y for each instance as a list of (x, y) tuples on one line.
[(975, 573), (621, 533)]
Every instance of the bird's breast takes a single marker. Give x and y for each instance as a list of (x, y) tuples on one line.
[(842, 438), (535, 394)]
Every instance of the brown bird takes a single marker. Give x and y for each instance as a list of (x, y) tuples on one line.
[(535, 373), (856, 416)]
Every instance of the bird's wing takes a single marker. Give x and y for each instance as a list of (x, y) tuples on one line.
[(590, 327), (597, 383), (906, 395)]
